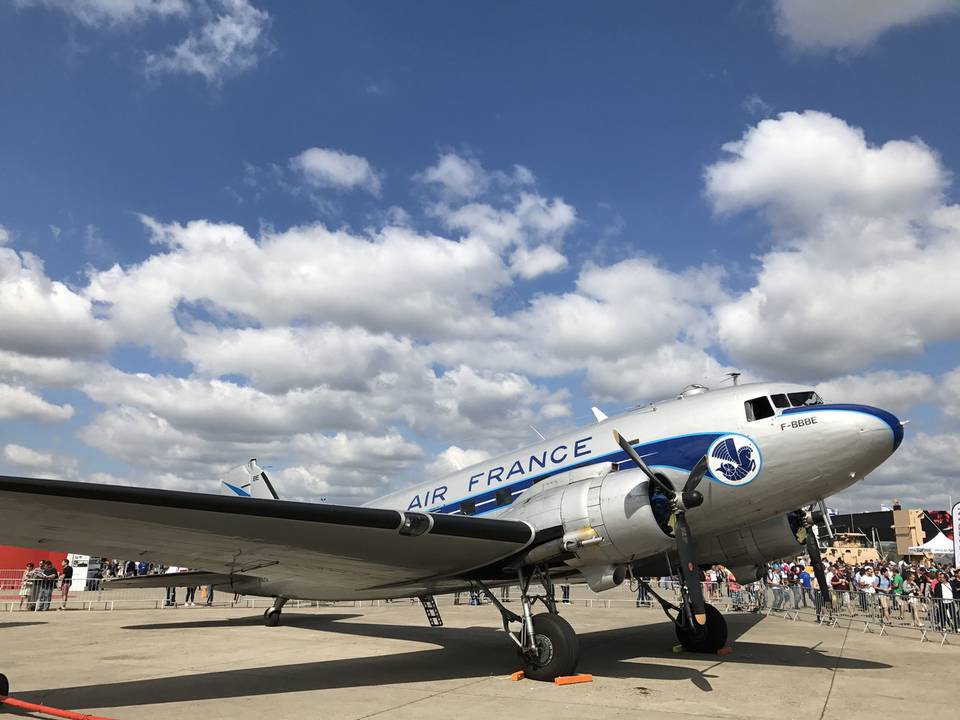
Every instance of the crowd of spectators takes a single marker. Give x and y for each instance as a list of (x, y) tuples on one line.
[(41, 581), (927, 593)]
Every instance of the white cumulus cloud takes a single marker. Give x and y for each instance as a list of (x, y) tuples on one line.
[(327, 168), (460, 178), (851, 24), (922, 473), (35, 462), (452, 459), (866, 264), (804, 165), (113, 12), (41, 316), (897, 392), (228, 44), (17, 402)]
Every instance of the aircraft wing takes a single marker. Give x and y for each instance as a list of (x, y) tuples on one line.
[(306, 550)]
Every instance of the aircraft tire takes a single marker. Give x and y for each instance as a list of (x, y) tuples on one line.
[(707, 639), (558, 649), (271, 617)]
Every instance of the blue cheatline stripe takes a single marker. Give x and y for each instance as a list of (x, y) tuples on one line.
[(680, 452), (892, 421), (239, 491)]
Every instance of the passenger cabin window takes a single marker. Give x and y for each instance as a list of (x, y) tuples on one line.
[(807, 397), (504, 496), (780, 401), (468, 507), (758, 408)]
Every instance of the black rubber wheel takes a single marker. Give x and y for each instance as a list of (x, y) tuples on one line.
[(557, 649), (706, 639), (4, 686), (271, 617)]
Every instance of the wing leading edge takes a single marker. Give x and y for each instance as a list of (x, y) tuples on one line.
[(305, 550)]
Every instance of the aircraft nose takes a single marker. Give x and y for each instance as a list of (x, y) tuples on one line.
[(880, 430)]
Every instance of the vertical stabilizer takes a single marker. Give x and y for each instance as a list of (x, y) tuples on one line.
[(248, 480)]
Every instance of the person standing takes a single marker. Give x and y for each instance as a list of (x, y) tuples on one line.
[(66, 580), (27, 592), (172, 590), (793, 582), (943, 603), (911, 593), (191, 593), (642, 597), (48, 580), (806, 586), (841, 588), (831, 569), (710, 580), (209, 595), (884, 590), (868, 588), (896, 590), (773, 579)]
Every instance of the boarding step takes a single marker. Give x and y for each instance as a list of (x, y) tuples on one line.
[(432, 611)]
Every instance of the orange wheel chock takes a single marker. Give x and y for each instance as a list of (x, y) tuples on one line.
[(573, 679), (724, 651), (518, 675)]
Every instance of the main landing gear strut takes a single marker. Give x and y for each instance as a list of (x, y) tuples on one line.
[(547, 644), (707, 637)]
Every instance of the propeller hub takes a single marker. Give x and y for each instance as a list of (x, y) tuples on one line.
[(691, 499)]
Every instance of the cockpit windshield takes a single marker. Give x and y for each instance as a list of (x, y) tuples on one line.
[(807, 397)]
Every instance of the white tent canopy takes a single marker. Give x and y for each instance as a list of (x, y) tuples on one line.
[(939, 545)]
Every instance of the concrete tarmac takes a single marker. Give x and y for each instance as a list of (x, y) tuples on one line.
[(360, 663)]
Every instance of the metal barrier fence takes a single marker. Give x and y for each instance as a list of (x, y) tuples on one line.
[(927, 618)]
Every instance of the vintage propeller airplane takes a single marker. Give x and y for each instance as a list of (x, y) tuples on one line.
[(725, 476)]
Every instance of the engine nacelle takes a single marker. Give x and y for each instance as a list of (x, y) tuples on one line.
[(751, 547), (606, 517)]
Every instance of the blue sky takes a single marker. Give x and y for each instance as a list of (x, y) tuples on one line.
[(369, 240)]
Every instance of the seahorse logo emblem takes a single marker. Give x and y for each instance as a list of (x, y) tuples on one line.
[(734, 460)]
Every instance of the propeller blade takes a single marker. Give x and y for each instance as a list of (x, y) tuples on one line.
[(635, 456), (696, 475), (690, 569), (813, 550)]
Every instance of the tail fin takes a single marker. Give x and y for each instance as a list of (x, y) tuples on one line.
[(248, 480)]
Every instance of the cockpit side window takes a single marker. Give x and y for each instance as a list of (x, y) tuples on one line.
[(807, 397), (780, 401), (758, 408)]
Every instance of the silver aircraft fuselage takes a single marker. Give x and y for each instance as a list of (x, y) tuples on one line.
[(795, 457)]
